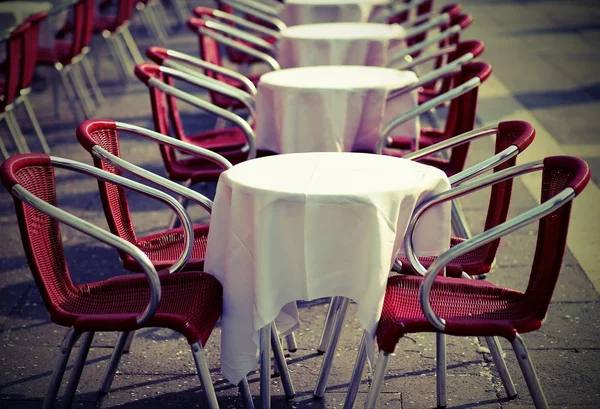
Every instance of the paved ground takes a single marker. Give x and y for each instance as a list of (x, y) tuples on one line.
[(545, 71)]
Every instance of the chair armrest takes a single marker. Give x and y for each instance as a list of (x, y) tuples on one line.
[(270, 8), (267, 17), (240, 34), (434, 22), (266, 58), (172, 58), (423, 58), (107, 237), (447, 96), (221, 15), (396, 8), (400, 55), (487, 236)]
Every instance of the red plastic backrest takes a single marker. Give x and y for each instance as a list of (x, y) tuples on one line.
[(14, 65), (559, 173), (209, 48), (124, 11), (40, 234), (463, 110), (103, 132), (474, 47), (88, 26), (29, 52)]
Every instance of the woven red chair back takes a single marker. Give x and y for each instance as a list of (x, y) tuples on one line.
[(462, 112), (40, 234), (14, 65), (114, 200), (30, 46)]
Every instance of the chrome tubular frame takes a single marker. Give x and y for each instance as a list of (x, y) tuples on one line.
[(271, 8), (197, 62), (209, 107), (215, 24), (244, 8), (434, 22), (221, 15), (424, 44), (440, 73), (266, 58), (426, 57), (447, 96), (487, 236), (398, 7), (206, 82)]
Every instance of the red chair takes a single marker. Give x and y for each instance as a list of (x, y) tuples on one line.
[(210, 36), (512, 137), (473, 308), (242, 23), (265, 13), (123, 303), (65, 56), (163, 99), (400, 12)]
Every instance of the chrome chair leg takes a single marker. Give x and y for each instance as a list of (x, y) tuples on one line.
[(116, 56), (126, 58), (3, 149), (204, 375), (244, 389), (292, 344), (156, 23), (181, 10), (144, 11), (91, 78), (81, 91), (286, 380), (84, 349), (359, 366), (326, 332), (15, 131), (377, 382), (496, 352), (128, 343), (59, 370), (67, 85), (111, 369), (533, 383), (265, 367), (330, 351), (131, 45), (36, 125), (163, 17), (440, 378), (174, 220), (460, 226)]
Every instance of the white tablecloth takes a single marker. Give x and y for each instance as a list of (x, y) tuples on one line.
[(330, 109), (305, 226), (297, 12), (336, 44)]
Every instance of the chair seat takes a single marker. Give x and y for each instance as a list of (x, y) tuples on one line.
[(219, 140), (473, 263), (190, 304), (470, 308), (61, 53), (164, 248)]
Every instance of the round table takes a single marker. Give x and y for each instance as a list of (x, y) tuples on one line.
[(297, 12), (331, 108), (311, 225), (336, 44)]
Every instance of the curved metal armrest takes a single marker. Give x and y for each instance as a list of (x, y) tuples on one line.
[(400, 55), (434, 22), (221, 15), (396, 8), (197, 62), (444, 71), (239, 34), (269, 9), (109, 238), (414, 62), (266, 58), (487, 236), (196, 151), (209, 107), (269, 18), (447, 96)]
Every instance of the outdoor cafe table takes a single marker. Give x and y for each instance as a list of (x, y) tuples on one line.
[(297, 12), (337, 44), (311, 225), (331, 108)]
